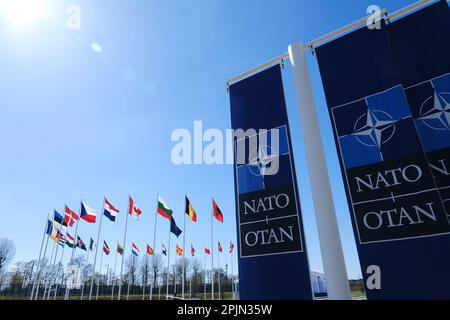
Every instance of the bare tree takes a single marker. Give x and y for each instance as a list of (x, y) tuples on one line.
[(7, 252), (145, 269), (156, 267), (131, 264)]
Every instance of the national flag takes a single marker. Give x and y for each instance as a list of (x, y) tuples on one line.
[(119, 249), (80, 244), (179, 251), (190, 210), (192, 250), (174, 228), (163, 208), (62, 240), (133, 210), (216, 211), (219, 246), (207, 251), (70, 240), (58, 220), (105, 248), (91, 245), (109, 210), (87, 213), (55, 234), (150, 251), (134, 249), (49, 227), (231, 247), (69, 216), (164, 250)]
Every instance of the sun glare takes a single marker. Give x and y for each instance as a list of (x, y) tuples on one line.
[(23, 12)]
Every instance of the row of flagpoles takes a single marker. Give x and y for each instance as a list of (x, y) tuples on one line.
[(54, 230)]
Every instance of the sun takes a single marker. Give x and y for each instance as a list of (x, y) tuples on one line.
[(23, 12)]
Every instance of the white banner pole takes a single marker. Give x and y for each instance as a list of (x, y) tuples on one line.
[(330, 242)]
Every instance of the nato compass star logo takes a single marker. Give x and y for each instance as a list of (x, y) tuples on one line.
[(263, 163), (374, 128), (435, 111)]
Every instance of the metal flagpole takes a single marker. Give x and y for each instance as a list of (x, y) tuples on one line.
[(184, 262), (218, 271), (123, 253), (159, 291), (175, 276), (40, 271), (46, 275), (330, 242), (128, 290), (204, 275), (154, 250), (114, 278), (190, 281), (168, 269), (56, 255), (232, 275), (96, 250), (73, 250), (39, 259), (62, 276), (53, 277), (145, 278), (82, 283), (99, 274), (212, 253)]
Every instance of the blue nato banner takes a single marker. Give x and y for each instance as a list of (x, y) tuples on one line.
[(388, 95), (273, 263)]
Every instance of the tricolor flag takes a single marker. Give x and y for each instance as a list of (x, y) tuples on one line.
[(80, 244), (91, 245), (87, 213), (192, 250), (69, 216), (105, 248), (70, 240), (119, 249), (164, 250), (134, 249), (189, 210), (163, 208), (133, 210), (179, 251), (207, 251), (231, 247), (219, 246), (58, 220), (55, 234), (216, 211), (150, 251), (174, 228), (109, 211)]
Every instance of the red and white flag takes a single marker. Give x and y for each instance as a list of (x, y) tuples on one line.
[(231, 247), (133, 210), (207, 251), (69, 216), (105, 248)]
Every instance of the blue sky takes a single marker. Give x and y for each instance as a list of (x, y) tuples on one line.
[(80, 124)]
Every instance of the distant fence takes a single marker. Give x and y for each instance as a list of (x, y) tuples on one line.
[(104, 291)]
